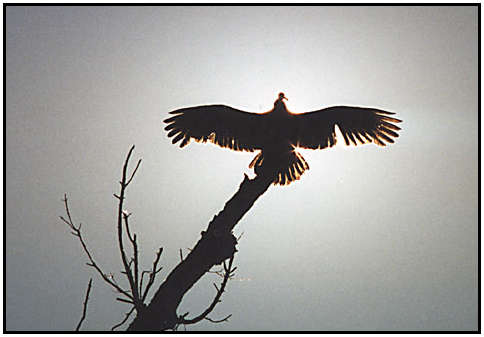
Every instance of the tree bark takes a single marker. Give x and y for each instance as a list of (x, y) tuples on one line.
[(216, 245)]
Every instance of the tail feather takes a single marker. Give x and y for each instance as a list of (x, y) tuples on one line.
[(285, 167), (257, 161)]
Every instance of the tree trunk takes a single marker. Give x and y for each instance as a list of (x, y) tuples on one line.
[(216, 245)]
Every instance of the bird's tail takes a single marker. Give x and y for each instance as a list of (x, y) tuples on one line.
[(286, 166)]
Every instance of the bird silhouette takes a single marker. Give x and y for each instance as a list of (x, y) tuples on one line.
[(278, 132)]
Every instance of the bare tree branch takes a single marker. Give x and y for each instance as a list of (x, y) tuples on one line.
[(134, 287), (77, 232), (228, 273), (136, 268), (218, 272), (131, 264), (128, 232), (240, 236), (124, 320), (217, 243), (134, 172), (152, 274), (120, 299), (131, 268), (84, 310), (143, 273), (134, 260), (220, 320)]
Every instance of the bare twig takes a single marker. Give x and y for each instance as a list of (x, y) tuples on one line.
[(218, 272), (134, 287), (143, 273), (152, 274), (220, 320), (134, 172), (76, 231), (131, 263), (120, 299), (134, 260), (124, 320), (240, 236), (136, 268), (84, 310), (125, 217), (228, 274)]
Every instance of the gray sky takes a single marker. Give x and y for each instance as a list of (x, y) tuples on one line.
[(369, 239)]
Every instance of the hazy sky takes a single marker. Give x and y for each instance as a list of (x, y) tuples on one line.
[(369, 239)]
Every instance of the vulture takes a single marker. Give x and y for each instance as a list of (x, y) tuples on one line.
[(276, 134)]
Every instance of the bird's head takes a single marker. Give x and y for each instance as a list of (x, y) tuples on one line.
[(279, 103)]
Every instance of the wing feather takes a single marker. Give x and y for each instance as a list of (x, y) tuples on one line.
[(177, 138), (220, 124), (358, 138), (173, 132), (358, 125)]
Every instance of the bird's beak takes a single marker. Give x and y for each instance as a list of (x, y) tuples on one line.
[(285, 98)]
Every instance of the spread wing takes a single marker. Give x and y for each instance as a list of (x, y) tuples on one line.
[(220, 124), (316, 129)]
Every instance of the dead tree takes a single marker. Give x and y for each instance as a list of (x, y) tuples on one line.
[(216, 245)]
